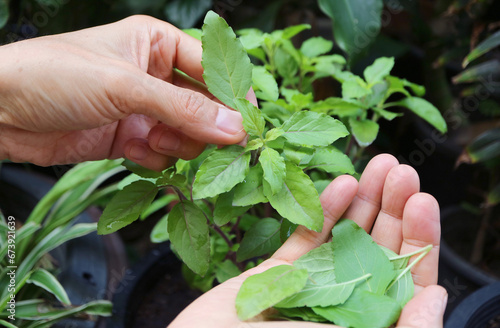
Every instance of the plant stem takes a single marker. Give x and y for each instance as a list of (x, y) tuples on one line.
[(478, 248), (424, 251)]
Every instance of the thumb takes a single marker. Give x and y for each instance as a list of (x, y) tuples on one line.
[(426, 309), (189, 111)]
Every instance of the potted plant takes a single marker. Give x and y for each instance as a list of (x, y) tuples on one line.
[(235, 205), (54, 269)]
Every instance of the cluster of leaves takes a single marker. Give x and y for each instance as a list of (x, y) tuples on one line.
[(364, 99), (40, 298), (351, 281), (222, 218)]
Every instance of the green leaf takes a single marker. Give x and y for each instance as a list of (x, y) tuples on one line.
[(337, 106), (44, 279), (355, 88), (425, 110), (351, 241), (484, 147), (226, 270), (331, 160), (228, 71), (316, 46), (254, 144), (221, 171), (262, 238), (159, 234), (321, 294), (298, 200), (253, 122), (313, 129), (478, 72), (264, 84), (292, 31), (356, 23), (365, 131), (250, 191), (5, 323), (126, 206), (403, 289), (304, 313), (263, 290), (286, 229), (188, 232), (140, 170), (274, 169), (286, 65), (377, 71), (4, 12), (185, 13), (486, 45), (274, 134), (297, 154), (319, 264), (225, 210), (363, 310)]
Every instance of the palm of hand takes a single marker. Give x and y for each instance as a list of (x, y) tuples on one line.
[(386, 202)]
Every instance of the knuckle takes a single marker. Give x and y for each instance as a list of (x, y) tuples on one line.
[(193, 104)]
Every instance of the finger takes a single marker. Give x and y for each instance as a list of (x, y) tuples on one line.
[(168, 141), (402, 182), (138, 151), (366, 205), (187, 111), (421, 227), (335, 199), (425, 310)]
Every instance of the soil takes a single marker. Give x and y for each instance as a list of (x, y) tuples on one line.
[(166, 299)]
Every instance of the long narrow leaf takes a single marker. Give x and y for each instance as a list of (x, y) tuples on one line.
[(44, 279)]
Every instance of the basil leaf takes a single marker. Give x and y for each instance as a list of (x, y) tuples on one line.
[(286, 229), (226, 270), (262, 238), (298, 200), (304, 313), (255, 296), (126, 206), (227, 68), (221, 171), (402, 290), (188, 232), (316, 46), (250, 191), (265, 85), (377, 71), (425, 110), (313, 129), (319, 263), (365, 131), (225, 211), (253, 122), (331, 160), (351, 241), (363, 310), (274, 169)]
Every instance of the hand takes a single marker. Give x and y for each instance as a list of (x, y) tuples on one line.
[(110, 92), (386, 202)]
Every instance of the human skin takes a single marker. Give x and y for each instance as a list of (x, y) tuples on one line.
[(385, 202), (108, 92)]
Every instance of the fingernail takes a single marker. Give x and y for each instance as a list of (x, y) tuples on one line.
[(229, 121), (169, 141), (138, 152)]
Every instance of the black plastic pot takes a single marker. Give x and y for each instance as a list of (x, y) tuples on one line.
[(460, 277), (90, 266), (479, 310), (152, 293)]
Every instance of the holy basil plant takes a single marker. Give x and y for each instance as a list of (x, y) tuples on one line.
[(351, 281), (233, 206), (231, 179)]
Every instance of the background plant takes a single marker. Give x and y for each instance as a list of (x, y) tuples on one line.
[(236, 204), (40, 298)]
